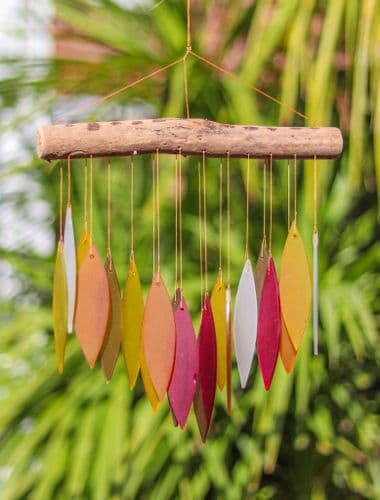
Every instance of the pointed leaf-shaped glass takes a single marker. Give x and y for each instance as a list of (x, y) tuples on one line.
[(111, 344), (158, 334), (71, 267), (206, 386), (261, 270), (269, 326), (218, 306), (287, 352), (83, 247), (245, 322), (133, 314), (295, 286), (60, 307), (93, 305), (185, 372), (148, 385)]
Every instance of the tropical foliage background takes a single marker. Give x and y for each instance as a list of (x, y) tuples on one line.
[(316, 433)]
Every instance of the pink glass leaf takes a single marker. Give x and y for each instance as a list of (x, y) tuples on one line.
[(185, 372), (269, 326), (207, 370)]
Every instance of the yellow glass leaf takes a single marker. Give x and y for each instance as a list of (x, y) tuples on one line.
[(261, 270), (295, 286), (83, 247), (148, 385), (133, 313), (111, 345), (218, 306), (60, 307), (287, 352)]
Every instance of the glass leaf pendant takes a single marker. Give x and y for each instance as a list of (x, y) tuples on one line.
[(185, 372), (111, 344), (93, 305), (218, 306), (206, 386), (295, 286), (269, 326), (245, 322), (147, 382), (71, 267), (159, 336), (133, 314), (60, 307), (287, 352), (261, 270), (83, 247)]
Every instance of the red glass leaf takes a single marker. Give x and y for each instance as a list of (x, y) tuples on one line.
[(205, 396), (269, 327), (93, 305), (159, 336), (185, 372)]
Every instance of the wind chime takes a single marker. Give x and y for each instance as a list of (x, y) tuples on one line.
[(157, 338)]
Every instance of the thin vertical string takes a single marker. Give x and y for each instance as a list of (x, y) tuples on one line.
[(85, 196), (220, 215), (154, 216), (205, 220), (315, 196), (91, 209), (264, 200), (176, 223), (109, 214), (247, 210), (228, 220), (200, 232), (180, 225), (60, 203), (295, 188), (68, 181), (270, 202), (158, 208), (186, 86), (132, 213), (288, 195), (188, 24)]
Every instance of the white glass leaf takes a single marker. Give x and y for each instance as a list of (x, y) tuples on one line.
[(70, 265), (315, 292), (245, 322)]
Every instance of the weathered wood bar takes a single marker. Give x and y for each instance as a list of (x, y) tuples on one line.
[(189, 136)]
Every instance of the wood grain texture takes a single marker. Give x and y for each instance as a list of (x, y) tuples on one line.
[(191, 136)]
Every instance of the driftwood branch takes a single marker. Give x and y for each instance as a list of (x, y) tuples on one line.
[(189, 136)]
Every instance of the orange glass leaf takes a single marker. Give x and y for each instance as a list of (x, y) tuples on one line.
[(60, 307), (260, 271), (83, 247), (111, 344), (159, 336), (295, 286), (218, 306), (93, 305), (133, 314), (287, 352)]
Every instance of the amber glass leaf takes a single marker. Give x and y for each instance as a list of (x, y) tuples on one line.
[(295, 286), (205, 393), (111, 344), (245, 322), (148, 385), (185, 372), (287, 352), (60, 307), (260, 271), (133, 314), (71, 267), (159, 336), (93, 305), (218, 306), (269, 326), (83, 247)]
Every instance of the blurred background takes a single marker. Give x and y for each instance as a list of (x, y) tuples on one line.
[(316, 433)]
